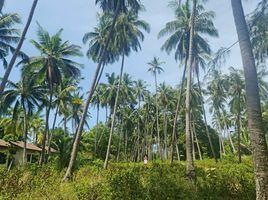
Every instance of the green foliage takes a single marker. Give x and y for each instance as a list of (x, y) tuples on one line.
[(157, 180), (100, 135)]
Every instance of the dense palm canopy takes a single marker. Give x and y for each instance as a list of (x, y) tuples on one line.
[(178, 31), (119, 6), (140, 121), (54, 61)]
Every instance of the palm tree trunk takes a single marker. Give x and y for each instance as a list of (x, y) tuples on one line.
[(46, 132), (197, 142), (86, 106), (205, 119), (126, 145), (157, 119), (17, 50), (257, 136), (121, 136), (229, 135), (65, 125), (238, 130), (177, 112), (51, 133), (114, 113), (221, 141), (25, 137), (190, 169), (139, 132), (97, 130), (165, 132), (192, 135)]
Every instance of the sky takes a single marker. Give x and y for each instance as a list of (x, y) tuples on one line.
[(77, 17)]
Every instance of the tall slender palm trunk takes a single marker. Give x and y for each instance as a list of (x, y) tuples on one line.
[(51, 133), (197, 142), (193, 146), (46, 132), (165, 132), (86, 106), (17, 50), (190, 169), (24, 159), (229, 135), (97, 130), (238, 130), (205, 119), (114, 113), (157, 119), (173, 139), (257, 136)]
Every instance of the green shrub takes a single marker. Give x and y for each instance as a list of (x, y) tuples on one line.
[(156, 181)]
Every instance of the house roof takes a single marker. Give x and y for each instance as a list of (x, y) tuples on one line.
[(29, 146), (3, 143)]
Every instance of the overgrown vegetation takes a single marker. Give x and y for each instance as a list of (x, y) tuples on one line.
[(157, 180)]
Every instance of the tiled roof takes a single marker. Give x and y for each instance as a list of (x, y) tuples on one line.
[(29, 146), (3, 143)]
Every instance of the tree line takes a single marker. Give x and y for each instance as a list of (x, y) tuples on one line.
[(167, 122)]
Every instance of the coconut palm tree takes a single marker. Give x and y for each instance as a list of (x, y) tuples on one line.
[(52, 65), (164, 96), (179, 37), (128, 37), (27, 95), (155, 68), (257, 137), (62, 103), (115, 7), (217, 92), (17, 50), (237, 101), (96, 101), (259, 31), (140, 91), (190, 170)]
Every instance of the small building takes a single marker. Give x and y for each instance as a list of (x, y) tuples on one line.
[(15, 149), (32, 152), (4, 148)]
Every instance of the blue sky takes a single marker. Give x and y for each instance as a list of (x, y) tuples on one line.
[(77, 17)]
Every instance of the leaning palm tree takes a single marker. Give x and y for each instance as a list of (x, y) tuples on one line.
[(115, 7), (155, 68), (17, 50), (26, 95), (257, 137), (53, 64)]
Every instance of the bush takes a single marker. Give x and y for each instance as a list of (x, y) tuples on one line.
[(155, 181)]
